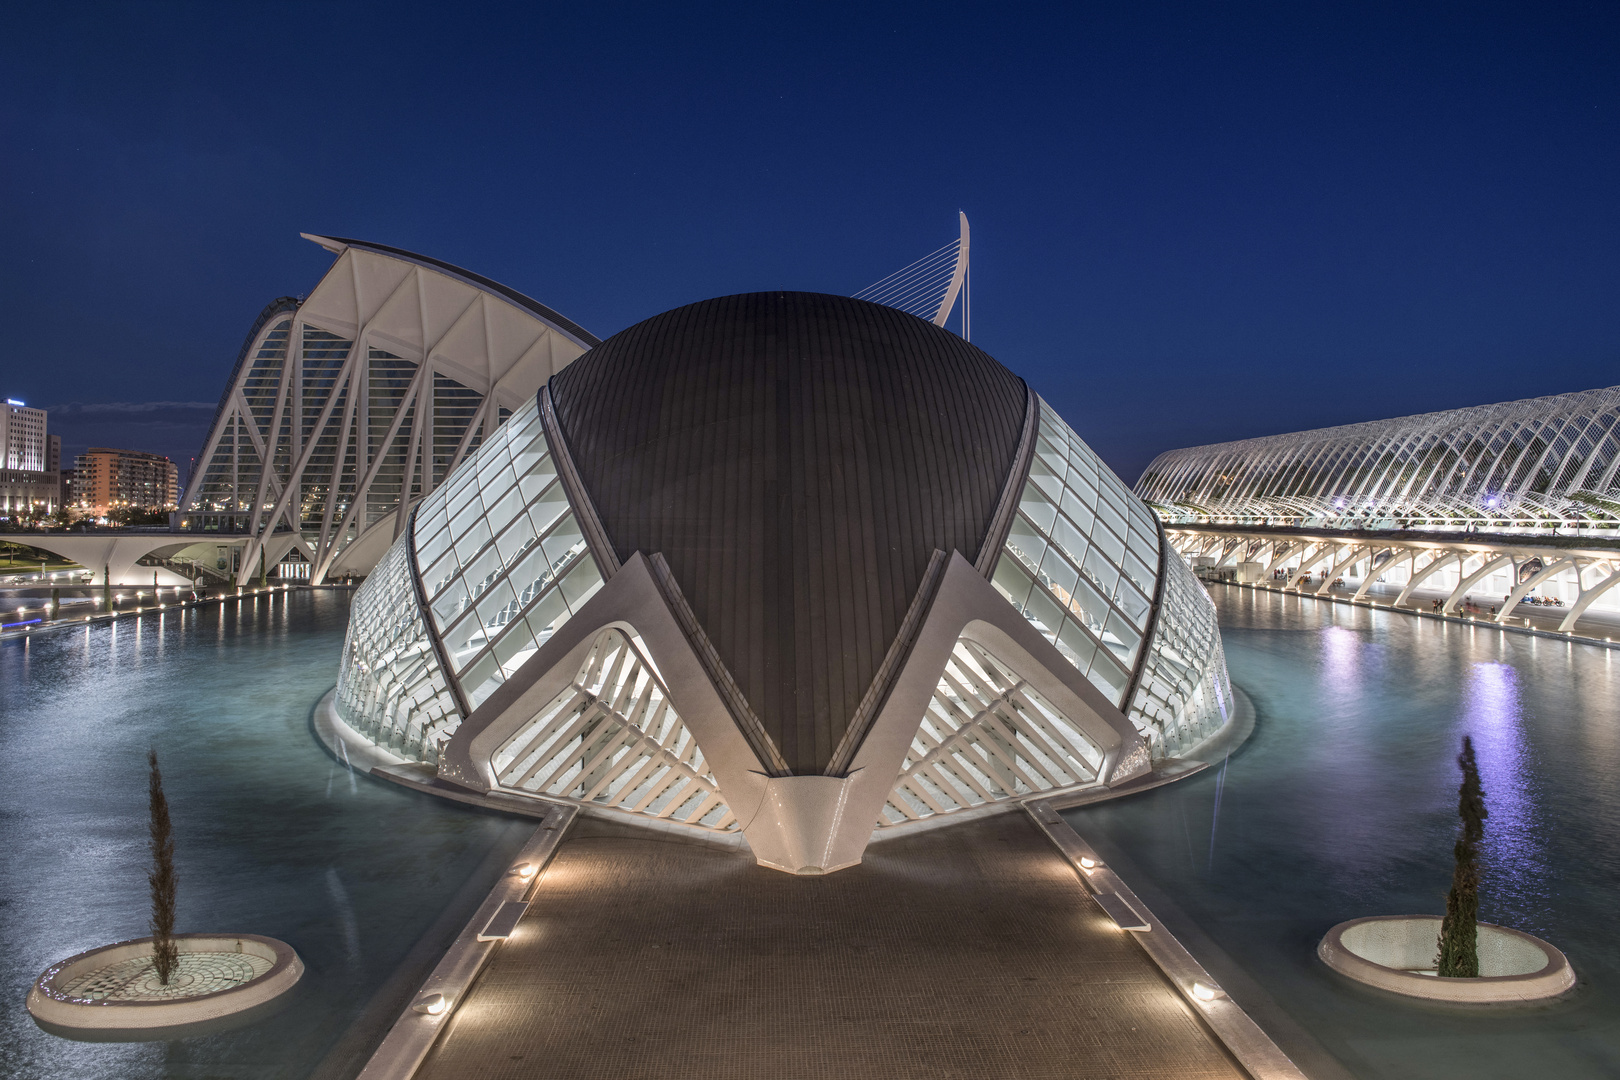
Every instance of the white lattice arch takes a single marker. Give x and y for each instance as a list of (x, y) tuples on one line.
[(349, 396)]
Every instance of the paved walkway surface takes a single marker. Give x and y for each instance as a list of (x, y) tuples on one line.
[(966, 951)]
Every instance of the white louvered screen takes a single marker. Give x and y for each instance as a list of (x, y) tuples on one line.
[(613, 739), (987, 736)]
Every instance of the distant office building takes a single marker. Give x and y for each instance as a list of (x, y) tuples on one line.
[(66, 490), (28, 462), (23, 491), (22, 435), (106, 480)]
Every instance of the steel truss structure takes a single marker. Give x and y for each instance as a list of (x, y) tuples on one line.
[(1515, 465), (347, 408)]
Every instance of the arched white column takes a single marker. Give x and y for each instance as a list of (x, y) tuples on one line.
[(1374, 572), (1521, 591), (1579, 607), (1468, 581), (1307, 562), (1356, 551), (1419, 576)]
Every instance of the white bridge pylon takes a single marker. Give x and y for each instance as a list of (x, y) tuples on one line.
[(930, 287)]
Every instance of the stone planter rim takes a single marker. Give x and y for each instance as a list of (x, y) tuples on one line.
[(1554, 978), (53, 1008)]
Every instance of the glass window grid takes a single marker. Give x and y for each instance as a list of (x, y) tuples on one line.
[(1185, 694), (509, 561), (390, 685), (1078, 534), (1075, 515)]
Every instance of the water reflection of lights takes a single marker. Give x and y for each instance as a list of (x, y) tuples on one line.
[(1341, 650), (1515, 851)]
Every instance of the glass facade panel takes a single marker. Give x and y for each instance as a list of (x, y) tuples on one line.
[(390, 685), (1011, 581), (1184, 694), (494, 594), (1035, 506), (515, 540), (1097, 565), (1026, 544)]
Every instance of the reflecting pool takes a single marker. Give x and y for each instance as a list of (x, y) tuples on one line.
[(1343, 804), (366, 880)]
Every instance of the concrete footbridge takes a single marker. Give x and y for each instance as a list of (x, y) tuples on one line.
[(116, 554)]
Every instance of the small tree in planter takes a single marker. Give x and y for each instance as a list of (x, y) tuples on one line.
[(165, 955), (1459, 952)]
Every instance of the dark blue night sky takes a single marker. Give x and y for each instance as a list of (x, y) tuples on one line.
[(1190, 223)]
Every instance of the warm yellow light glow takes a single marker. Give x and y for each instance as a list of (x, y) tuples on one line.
[(1204, 992), (1087, 863)]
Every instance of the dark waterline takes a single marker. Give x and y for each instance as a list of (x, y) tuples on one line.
[(366, 880), (1343, 804)]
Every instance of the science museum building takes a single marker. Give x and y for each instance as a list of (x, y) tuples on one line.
[(790, 566)]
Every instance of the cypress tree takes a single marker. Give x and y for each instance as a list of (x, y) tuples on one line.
[(1459, 945), (165, 956)]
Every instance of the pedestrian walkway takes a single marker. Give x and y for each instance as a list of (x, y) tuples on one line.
[(968, 951)]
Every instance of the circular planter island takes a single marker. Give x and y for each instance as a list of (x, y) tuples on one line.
[(113, 993), (1396, 953)]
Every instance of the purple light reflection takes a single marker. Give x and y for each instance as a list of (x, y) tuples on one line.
[(1341, 661), (1515, 871)]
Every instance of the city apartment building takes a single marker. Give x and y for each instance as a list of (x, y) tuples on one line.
[(105, 480)]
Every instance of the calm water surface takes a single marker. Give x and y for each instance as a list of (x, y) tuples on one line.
[(366, 880), (1343, 804)]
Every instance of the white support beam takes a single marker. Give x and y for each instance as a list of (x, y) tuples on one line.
[(1352, 553), (1468, 581), (1376, 572), (1578, 608), (1441, 559), (1523, 589)]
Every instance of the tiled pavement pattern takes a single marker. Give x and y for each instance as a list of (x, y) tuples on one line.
[(967, 951)]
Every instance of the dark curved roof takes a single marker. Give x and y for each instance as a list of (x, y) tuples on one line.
[(796, 458)]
